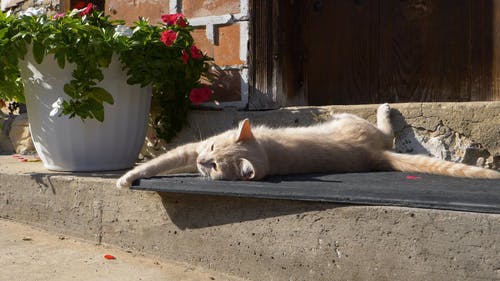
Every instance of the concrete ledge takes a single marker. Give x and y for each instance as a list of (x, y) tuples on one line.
[(277, 239), (257, 239)]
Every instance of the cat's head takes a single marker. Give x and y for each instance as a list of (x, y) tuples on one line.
[(235, 155)]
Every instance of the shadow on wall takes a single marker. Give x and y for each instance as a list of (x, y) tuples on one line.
[(405, 139), (440, 141), (200, 211)]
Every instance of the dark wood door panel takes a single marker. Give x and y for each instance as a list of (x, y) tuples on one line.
[(341, 46), (400, 51), (426, 50)]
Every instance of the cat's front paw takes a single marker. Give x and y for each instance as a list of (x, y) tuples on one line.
[(123, 182)]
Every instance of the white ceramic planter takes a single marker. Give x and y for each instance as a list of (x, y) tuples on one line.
[(65, 144)]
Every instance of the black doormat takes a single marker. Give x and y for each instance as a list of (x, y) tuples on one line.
[(375, 188)]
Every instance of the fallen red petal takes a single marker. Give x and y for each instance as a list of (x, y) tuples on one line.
[(109, 257), (413, 177)]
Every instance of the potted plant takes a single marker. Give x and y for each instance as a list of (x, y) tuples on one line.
[(87, 83)]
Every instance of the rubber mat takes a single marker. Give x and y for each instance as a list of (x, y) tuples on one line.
[(374, 188)]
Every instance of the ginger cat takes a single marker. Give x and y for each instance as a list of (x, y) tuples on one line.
[(346, 143)]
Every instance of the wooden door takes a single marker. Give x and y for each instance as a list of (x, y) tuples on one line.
[(376, 51), (341, 47)]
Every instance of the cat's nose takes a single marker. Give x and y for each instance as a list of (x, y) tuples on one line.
[(206, 163), (202, 161)]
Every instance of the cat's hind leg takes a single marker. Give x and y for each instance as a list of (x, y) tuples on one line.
[(384, 123)]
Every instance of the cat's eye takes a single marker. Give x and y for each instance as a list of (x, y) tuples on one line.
[(212, 147)]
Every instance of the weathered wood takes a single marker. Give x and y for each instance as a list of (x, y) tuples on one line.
[(352, 52), (340, 51), (493, 7), (425, 50), (261, 94), (291, 52)]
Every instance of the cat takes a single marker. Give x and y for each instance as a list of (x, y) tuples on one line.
[(345, 143)]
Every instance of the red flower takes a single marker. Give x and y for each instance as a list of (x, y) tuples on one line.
[(196, 53), (168, 37), (199, 95), (184, 56), (172, 19), (182, 22), (169, 19), (87, 10)]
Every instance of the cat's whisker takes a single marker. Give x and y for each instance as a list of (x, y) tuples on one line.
[(200, 135)]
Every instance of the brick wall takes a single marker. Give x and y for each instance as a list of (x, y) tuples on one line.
[(221, 31)]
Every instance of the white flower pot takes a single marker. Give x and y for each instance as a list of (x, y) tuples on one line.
[(65, 144)]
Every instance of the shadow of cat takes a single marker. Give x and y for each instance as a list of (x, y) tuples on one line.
[(404, 136)]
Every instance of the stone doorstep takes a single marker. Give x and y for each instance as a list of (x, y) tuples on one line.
[(256, 239)]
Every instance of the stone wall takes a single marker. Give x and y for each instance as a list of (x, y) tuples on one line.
[(15, 135)]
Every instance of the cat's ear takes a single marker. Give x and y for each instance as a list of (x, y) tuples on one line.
[(247, 170), (244, 131)]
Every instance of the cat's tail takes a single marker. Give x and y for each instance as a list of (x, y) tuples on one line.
[(429, 165)]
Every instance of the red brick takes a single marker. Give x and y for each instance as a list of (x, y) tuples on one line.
[(202, 8), (227, 52), (130, 10), (202, 42)]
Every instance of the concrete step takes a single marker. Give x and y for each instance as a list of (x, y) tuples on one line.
[(255, 239)]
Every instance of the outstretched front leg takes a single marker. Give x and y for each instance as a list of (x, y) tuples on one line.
[(180, 157)]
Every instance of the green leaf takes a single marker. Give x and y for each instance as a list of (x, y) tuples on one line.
[(101, 95), (133, 80), (97, 111), (70, 90), (60, 57), (38, 51), (3, 31)]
